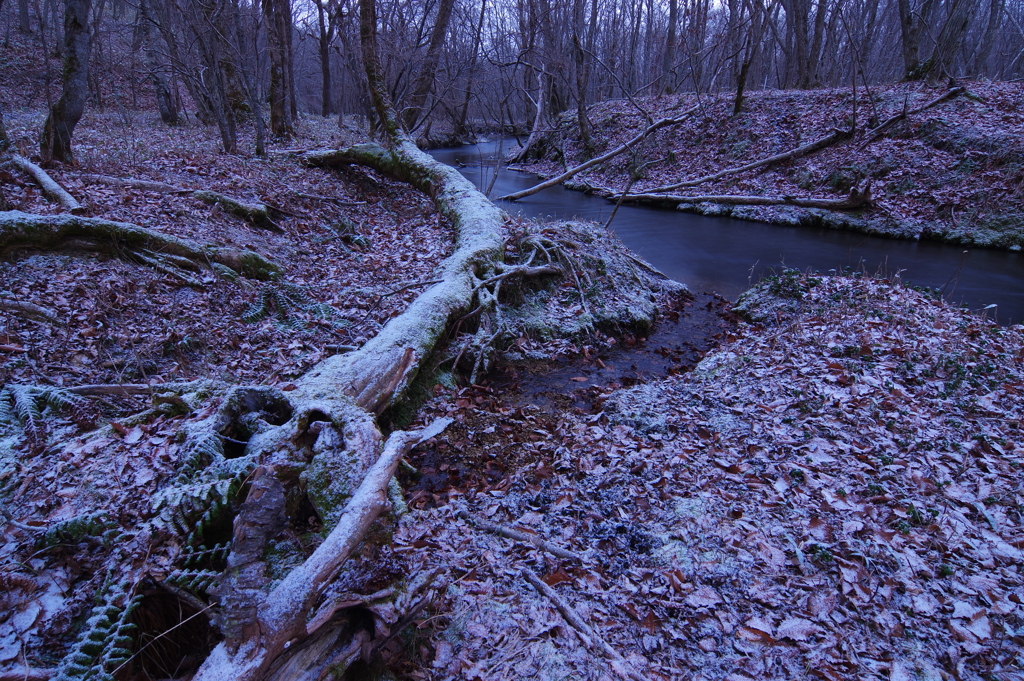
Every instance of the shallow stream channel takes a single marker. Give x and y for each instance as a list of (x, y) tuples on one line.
[(718, 259), (726, 256)]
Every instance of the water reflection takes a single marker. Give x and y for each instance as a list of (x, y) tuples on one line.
[(725, 255)]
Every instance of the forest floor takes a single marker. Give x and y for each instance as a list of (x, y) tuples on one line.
[(954, 172), (834, 489)]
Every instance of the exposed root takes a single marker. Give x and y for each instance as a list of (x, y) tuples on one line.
[(164, 252)]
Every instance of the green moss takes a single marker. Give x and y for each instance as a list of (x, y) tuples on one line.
[(330, 481)]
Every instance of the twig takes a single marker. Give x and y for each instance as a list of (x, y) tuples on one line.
[(340, 202), (27, 674), (399, 290), (516, 535), (114, 389), (590, 639)]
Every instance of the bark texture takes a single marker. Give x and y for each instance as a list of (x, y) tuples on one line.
[(150, 37), (428, 69), (55, 144), (278, 15)]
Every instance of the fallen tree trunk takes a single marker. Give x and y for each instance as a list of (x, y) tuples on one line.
[(349, 390), (857, 199), (809, 148), (51, 188), (45, 232), (256, 213), (657, 125)]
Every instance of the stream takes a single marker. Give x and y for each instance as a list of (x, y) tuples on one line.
[(725, 256)]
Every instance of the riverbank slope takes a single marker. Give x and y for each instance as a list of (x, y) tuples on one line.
[(953, 172)]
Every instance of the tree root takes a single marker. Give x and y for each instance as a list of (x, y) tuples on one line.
[(45, 232), (258, 214), (50, 187)]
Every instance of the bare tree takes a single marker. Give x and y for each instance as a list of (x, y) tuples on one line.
[(951, 37), (150, 38), (427, 71), (326, 13), (55, 143), (668, 85), (24, 25), (915, 17)]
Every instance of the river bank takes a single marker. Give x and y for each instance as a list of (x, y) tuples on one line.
[(953, 172)]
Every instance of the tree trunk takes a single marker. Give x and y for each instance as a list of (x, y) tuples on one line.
[(995, 15), (164, 99), (55, 144), (278, 15), (798, 34), (751, 49), (5, 147), (668, 85), (951, 38), (425, 77), (913, 21), (460, 124), (324, 43), (582, 78), (24, 24)]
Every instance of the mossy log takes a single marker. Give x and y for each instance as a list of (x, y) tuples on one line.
[(48, 232), (332, 423)]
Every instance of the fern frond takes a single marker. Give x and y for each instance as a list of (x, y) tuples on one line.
[(76, 529), (6, 406), (199, 453), (106, 641), (27, 410)]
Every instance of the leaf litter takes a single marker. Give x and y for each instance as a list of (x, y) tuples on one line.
[(835, 489), (835, 492)]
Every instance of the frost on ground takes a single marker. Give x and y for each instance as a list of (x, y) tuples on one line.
[(837, 494), (951, 172), (348, 268)]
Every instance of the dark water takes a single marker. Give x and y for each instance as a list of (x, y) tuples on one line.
[(725, 256)]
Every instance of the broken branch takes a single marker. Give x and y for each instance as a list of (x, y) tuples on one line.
[(858, 199), (589, 637), (515, 535), (45, 232), (50, 187), (809, 148), (664, 122), (879, 130)]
